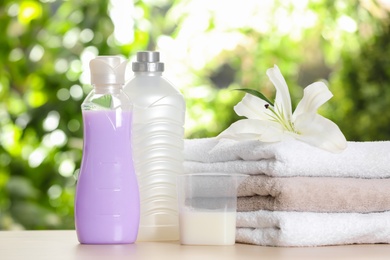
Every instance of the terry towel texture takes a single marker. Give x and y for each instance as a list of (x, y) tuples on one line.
[(300, 195), (279, 228), (314, 194), (287, 159)]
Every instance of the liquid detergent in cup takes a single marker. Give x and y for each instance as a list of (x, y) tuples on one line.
[(207, 208), (107, 196), (220, 226)]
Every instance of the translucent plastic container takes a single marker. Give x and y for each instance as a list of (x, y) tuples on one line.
[(158, 132), (107, 196), (207, 206)]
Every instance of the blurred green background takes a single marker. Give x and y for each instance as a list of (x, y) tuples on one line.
[(209, 47)]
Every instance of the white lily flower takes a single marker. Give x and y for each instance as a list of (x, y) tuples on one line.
[(273, 123)]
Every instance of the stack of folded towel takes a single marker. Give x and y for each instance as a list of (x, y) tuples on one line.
[(300, 195)]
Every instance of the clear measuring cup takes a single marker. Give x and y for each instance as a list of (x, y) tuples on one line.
[(207, 208)]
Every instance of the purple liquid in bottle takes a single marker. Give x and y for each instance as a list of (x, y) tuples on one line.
[(107, 196)]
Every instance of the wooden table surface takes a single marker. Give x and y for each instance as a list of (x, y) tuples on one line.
[(56, 245)]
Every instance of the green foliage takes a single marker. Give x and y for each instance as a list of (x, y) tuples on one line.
[(46, 44), (40, 97), (362, 90), (104, 101)]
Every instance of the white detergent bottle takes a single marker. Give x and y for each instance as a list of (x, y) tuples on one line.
[(158, 140)]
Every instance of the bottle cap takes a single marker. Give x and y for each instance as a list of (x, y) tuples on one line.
[(148, 61), (108, 70)]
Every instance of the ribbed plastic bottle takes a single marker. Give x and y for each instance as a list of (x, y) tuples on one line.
[(107, 195), (158, 132)]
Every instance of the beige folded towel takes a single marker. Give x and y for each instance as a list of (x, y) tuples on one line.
[(313, 194)]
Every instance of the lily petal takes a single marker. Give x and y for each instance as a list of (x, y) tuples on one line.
[(314, 96), (252, 108), (282, 99), (320, 132), (250, 129)]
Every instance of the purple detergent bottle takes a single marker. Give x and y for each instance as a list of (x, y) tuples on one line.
[(107, 196)]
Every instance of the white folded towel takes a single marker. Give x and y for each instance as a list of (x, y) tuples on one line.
[(286, 159), (280, 228)]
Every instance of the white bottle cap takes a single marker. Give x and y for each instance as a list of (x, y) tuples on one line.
[(108, 70)]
